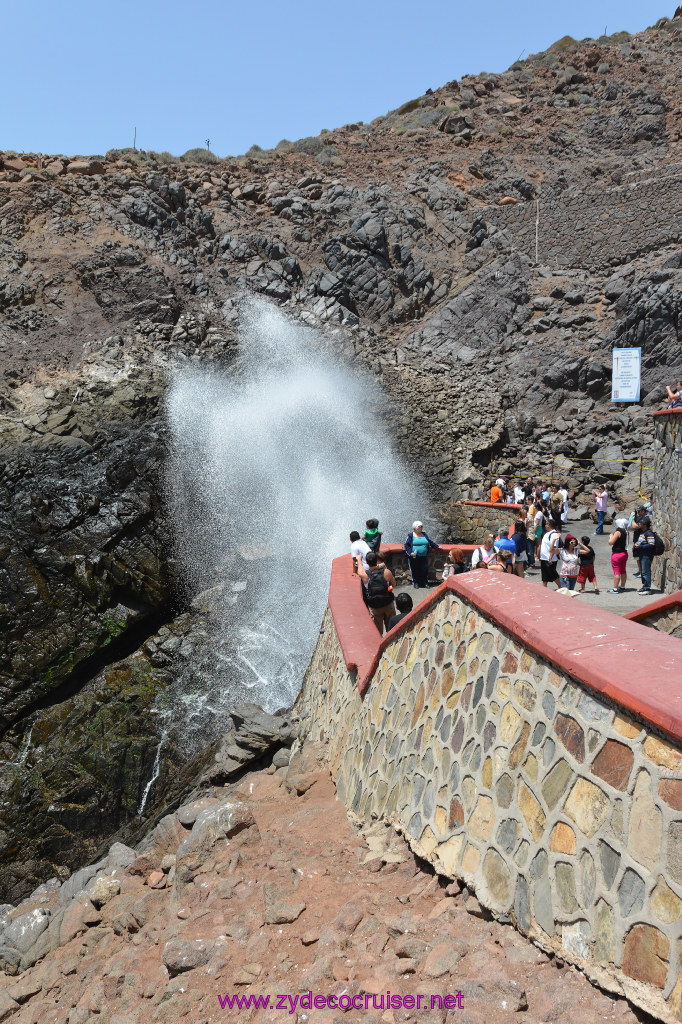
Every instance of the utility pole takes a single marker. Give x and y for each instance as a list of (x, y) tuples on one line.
[(135, 141), (537, 229)]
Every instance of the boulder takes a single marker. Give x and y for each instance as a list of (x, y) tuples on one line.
[(26, 929), (181, 955), (608, 460), (119, 857), (103, 891), (85, 167), (213, 824)]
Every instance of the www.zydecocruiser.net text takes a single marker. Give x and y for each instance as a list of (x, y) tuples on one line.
[(382, 1001)]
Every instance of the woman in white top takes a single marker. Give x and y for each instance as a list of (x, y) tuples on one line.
[(569, 561), (484, 554), (564, 497)]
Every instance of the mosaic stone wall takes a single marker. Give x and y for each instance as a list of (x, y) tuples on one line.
[(665, 620), (471, 522), (667, 569), (564, 814)]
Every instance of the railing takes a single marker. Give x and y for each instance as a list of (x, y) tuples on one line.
[(609, 654), (361, 642)]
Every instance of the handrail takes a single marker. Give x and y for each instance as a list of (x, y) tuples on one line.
[(609, 654), (488, 504), (359, 638), (663, 604)]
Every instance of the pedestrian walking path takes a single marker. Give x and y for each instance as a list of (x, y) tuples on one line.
[(619, 604)]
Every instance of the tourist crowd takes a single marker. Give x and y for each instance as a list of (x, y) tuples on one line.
[(537, 538)]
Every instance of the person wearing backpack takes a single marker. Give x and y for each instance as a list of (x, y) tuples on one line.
[(373, 535), (549, 556), (646, 548), (483, 554), (379, 585)]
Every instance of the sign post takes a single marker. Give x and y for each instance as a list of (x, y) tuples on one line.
[(625, 379)]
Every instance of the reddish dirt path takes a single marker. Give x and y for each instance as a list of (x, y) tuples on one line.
[(360, 927)]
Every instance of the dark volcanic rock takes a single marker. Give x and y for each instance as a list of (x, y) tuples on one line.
[(83, 559)]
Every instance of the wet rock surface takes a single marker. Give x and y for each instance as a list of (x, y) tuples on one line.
[(111, 759), (297, 900), (84, 561)]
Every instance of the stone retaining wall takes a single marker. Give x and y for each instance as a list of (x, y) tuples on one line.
[(597, 226), (472, 521), (505, 768), (667, 569), (664, 615)]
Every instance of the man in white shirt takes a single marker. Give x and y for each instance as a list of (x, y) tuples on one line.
[(564, 498), (483, 554), (519, 494), (548, 570), (359, 549)]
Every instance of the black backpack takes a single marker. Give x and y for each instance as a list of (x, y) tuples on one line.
[(374, 543), (378, 591), (659, 545)]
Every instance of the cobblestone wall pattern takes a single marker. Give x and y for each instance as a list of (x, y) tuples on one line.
[(564, 814), (598, 226)]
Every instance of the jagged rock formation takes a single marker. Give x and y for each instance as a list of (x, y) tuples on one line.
[(87, 771), (480, 250)]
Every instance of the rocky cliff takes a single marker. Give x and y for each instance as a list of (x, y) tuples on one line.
[(480, 250)]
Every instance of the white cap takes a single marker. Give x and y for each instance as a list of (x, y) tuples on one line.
[(416, 524), (622, 524)]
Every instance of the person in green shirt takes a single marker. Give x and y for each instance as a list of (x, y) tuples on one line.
[(372, 535)]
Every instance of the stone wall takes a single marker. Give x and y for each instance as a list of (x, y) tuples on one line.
[(472, 521), (664, 615), (667, 569), (560, 809), (597, 226)]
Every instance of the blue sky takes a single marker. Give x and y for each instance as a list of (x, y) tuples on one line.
[(79, 77)]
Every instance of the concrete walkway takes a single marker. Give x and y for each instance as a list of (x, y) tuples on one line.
[(616, 603), (619, 604)]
